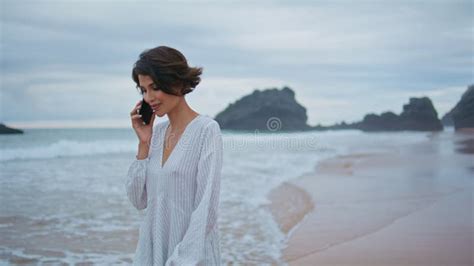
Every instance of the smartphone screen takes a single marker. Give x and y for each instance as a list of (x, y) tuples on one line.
[(146, 112)]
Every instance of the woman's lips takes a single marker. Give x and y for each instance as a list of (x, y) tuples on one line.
[(155, 107)]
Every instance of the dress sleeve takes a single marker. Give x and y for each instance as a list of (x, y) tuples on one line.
[(135, 183), (191, 249), (136, 178)]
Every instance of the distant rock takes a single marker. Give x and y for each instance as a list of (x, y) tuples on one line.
[(463, 112), (267, 110), (387, 121), (7, 130), (418, 115), (337, 126)]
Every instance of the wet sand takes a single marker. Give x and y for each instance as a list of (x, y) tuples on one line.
[(409, 206), (289, 205)]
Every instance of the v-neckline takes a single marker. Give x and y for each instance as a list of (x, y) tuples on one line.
[(163, 164)]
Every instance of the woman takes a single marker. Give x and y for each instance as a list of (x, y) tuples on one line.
[(177, 171)]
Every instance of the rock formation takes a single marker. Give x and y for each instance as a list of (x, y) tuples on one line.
[(418, 115), (7, 130), (267, 110), (463, 112)]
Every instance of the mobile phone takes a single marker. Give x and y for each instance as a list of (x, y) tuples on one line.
[(146, 112)]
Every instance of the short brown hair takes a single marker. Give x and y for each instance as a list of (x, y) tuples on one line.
[(169, 70)]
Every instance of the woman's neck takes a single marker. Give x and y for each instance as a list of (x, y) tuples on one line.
[(180, 116)]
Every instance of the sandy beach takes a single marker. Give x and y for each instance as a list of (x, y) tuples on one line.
[(407, 206)]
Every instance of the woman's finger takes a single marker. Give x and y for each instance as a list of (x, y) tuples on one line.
[(135, 110), (136, 116)]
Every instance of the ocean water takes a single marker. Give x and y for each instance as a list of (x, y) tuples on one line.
[(63, 197)]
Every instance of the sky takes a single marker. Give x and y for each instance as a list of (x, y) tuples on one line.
[(68, 63)]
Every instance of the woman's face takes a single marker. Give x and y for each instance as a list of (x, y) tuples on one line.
[(162, 102)]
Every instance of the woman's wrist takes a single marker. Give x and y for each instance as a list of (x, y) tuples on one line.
[(143, 148), (144, 142)]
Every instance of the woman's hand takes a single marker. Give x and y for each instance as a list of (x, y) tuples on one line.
[(144, 132)]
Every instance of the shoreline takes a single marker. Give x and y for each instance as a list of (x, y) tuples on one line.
[(381, 208)]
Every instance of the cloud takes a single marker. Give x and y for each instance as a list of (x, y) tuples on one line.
[(343, 59)]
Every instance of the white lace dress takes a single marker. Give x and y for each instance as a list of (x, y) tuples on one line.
[(180, 198)]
